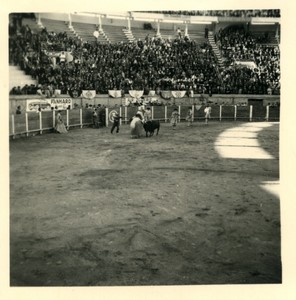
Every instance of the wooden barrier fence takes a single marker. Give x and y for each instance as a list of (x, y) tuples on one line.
[(32, 122)]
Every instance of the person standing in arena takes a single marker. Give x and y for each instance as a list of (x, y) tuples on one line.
[(147, 115), (60, 127), (189, 117), (95, 118), (136, 126), (141, 111), (116, 122), (174, 118), (207, 112)]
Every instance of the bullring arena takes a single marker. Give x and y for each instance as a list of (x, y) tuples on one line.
[(196, 204)]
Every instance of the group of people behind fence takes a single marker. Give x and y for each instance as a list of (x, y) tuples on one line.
[(136, 122)]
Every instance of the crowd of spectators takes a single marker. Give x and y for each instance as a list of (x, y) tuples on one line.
[(269, 13), (149, 64), (238, 45)]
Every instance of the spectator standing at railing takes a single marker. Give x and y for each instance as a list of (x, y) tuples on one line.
[(18, 110)]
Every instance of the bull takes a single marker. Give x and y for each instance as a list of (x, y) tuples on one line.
[(151, 126)]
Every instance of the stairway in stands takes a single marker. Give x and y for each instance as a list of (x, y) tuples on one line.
[(17, 77), (115, 34), (129, 35), (85, 32), (57, 27), (216, 49)]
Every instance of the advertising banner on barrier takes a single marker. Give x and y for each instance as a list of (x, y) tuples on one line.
[(34, 105), (61, 103), (48, 104)]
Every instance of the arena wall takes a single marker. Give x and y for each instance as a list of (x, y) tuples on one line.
[(21, 100)]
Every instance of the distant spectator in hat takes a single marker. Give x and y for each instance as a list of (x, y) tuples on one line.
[(18, 110)]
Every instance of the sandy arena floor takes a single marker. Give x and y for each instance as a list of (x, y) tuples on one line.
[(194, 205)]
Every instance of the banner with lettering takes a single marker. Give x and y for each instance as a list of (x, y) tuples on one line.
[(114, 93), (61, 103), (136, 93), (178, 94), (89, 94)]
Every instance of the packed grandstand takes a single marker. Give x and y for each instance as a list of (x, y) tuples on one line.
[(199, 58)]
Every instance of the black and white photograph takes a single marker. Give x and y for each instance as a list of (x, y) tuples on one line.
[(145, 149)]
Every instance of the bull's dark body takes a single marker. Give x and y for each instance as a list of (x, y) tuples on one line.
[(151, 126)]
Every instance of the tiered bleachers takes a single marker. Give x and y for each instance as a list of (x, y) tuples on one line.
[(115, 34), (267, 33), (155, 64), (168, 34), (57, 27), (32, 24), (142, 33), (85, 32), (197, 36)]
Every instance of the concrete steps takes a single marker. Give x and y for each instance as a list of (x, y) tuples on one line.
[(129, 35), (216, 49)]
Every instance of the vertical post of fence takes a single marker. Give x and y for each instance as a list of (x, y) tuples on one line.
[(235, 112), (125, 114), (220, 113), (67, 112), (12, 126), (80, 116), (152, 112), (27, 124), (267, 113), (53, 119), (179, 112), (192, 113), (251, 112), (107, 116), (120, 114), (165, 113), (40, 122)]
